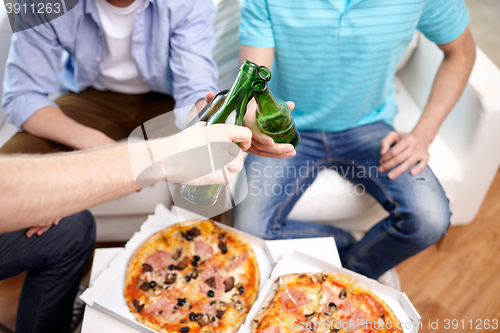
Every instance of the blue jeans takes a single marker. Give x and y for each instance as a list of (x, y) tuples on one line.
[(54, 263), (418, 208)]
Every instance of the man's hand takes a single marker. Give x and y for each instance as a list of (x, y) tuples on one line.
[(262, 144), (400, 151), (41, 228), (226, 157)]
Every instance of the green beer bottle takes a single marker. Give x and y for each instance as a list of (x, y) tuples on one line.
[(208, 110), (230, 112), (273, 116)]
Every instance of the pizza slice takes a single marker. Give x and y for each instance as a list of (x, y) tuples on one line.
[(323, 303)]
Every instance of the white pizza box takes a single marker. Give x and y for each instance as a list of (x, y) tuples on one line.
[(106, 292), (298, 262), (323, 248)]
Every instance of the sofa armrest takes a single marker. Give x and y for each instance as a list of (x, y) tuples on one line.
[(472, 128)]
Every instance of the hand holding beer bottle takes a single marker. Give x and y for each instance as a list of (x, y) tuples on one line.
[(273, 116)]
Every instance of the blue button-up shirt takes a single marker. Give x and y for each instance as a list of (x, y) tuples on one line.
[(172, 44)]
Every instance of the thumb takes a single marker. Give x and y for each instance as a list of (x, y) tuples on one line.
[(209, 96), (291, 105)]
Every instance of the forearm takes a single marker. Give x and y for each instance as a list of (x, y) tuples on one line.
[(38, 189), (52, 124), (259, 55), (449, 83)]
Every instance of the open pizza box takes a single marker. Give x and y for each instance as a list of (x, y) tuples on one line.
[(106, 292), (298, 262)]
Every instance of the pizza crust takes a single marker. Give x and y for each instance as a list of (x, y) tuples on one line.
[(266, 305)]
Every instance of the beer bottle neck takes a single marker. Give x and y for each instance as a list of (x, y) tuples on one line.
[(266, 102), (235, 106)]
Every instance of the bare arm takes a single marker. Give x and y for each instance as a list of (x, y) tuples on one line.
[(37, 189), (449, 83), (259, 55), (263, 145), (52, 124)]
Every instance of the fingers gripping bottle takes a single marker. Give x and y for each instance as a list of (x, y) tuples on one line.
[(230, 112), (208, 110), (273, 116)]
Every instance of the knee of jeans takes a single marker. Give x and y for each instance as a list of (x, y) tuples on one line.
[(426, 226), (82, 229)]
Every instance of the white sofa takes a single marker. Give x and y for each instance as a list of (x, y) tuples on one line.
[(464, 157)]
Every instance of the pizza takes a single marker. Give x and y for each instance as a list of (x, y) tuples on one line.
[(192, 278), (323, 303)]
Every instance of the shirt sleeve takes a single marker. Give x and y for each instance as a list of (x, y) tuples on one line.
[(194, 71), (30, 73), (255, 27), (442, 21)]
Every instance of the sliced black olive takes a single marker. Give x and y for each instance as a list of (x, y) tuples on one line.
[(171, 267), (152, 284), (181, 301), (170, 278), (192, 316), (331, 305), (241, 289), (210, 293), (161, 312), (194, 263), (187, 278), (147, 268), (220, 313), (197, 258), (228, 284), (223, 247), (194, 274), (211, 282), (184, 329), (342, 293), (221, 236), (145, 286), (186, 236), (310, 314)]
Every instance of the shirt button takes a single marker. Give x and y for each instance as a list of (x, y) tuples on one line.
[(98, 59), (91, 79)]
